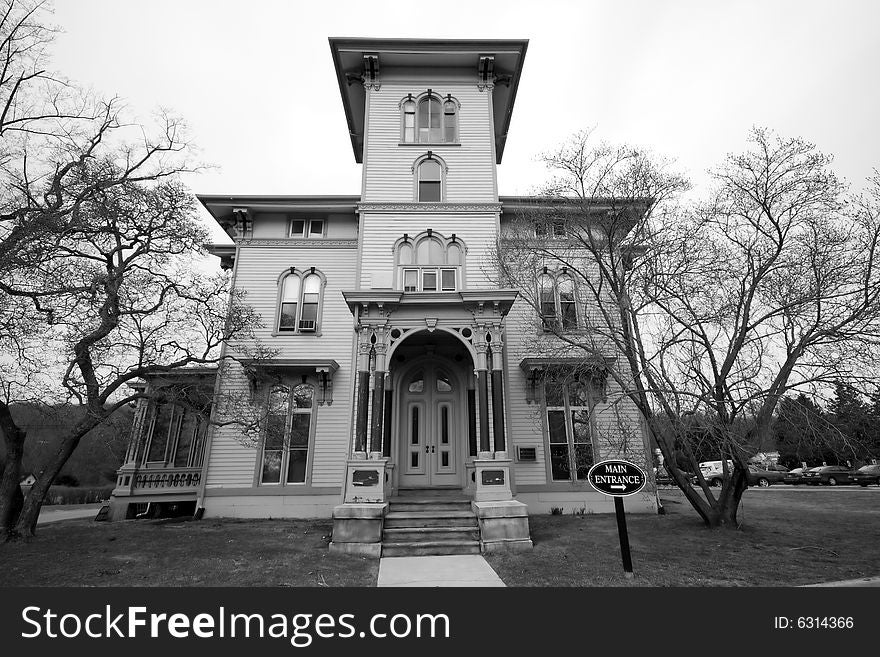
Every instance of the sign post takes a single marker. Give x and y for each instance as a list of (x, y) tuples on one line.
[(619, 479)]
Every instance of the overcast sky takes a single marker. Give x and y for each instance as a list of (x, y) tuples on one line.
[(686, 78)]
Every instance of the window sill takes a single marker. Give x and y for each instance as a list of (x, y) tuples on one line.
[(433, 144), (276, 334)]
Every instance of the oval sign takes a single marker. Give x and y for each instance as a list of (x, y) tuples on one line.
[(617, 478)]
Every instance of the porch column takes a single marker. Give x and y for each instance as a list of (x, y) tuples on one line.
[(376, 432), (481, 370), (496, 347), (363, 389)]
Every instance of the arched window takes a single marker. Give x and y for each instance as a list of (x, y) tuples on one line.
[(430, 263), (430, 119), (557, 302), (299, 306), (287, 435), (430, 175)]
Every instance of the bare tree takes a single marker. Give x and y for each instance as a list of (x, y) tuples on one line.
[(710, 314)]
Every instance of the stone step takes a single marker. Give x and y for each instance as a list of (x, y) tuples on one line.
[(430, 534), (429, 548), (407, 519), (426, 505), (435, 493)]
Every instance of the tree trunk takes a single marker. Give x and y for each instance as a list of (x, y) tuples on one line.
[(27, 519), (10, 491)]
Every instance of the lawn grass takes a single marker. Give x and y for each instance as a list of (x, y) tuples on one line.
[(183, 553), (789, 537)]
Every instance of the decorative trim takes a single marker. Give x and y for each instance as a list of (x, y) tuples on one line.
[(428, 208), (314, 243), (289, 489)]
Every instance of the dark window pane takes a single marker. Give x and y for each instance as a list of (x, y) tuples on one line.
[(299, 429), (559, 467), (580, 423), (553, 393), (185, 440), (309, 319), (296, 466), (271, 467), (429, 281), (583, 459), (302, 396), (298, 228), (316, 229), (569, 314), (414, 459), (429, 191), (578, 394), (444, 425), (447, 280), (160, 433), (288, 317), (414, 435), (444, 459), (556, 426), (275, 431)]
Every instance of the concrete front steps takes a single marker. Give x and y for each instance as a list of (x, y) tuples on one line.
[(430, 523)]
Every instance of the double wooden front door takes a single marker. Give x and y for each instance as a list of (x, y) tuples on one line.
[(430, 427)]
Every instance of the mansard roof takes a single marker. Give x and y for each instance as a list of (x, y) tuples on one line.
[(457, 54)]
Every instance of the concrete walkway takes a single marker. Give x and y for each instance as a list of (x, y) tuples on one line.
[(862, 581), (452, 570)]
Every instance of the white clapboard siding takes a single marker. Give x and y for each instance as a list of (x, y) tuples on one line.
[(379, 232), (388, 165), (258, 268)]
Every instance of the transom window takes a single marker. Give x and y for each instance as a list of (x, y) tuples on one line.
[(557, 302), (430, 264), (300, 302), (287, 435), (307, 228), (568, 407), (430, 119)]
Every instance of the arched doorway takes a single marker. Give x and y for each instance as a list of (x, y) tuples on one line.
[(432, 382)]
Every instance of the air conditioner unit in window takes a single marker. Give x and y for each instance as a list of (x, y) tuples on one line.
[(307, 326), (526, 454)]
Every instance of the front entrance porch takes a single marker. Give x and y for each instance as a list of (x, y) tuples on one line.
[(429, 414)]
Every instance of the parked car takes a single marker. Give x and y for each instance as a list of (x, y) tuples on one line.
[(662, 476), (795, 477), (831, 475), (867, 475), (713, 471), (763, 478)]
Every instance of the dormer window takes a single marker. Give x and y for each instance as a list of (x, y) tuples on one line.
[(429, 119), (307, 228)]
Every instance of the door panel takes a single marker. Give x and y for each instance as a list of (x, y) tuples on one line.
[(430, 436)]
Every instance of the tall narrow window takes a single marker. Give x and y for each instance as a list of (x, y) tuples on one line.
[(430, 120), (547, 301), (289, 302), (162, 423), (567, 305), (310, 297), (449, 121), (569, 433), (409, 121), (430, 181), (300, 428), (274, 440)]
